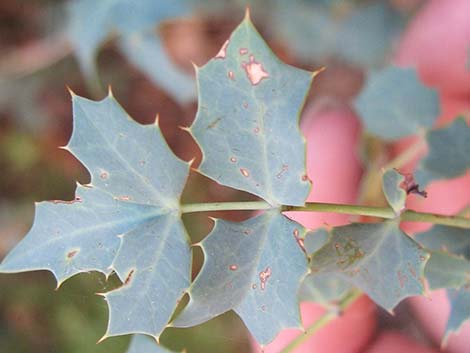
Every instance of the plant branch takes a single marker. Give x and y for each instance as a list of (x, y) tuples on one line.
[(379, 212), (325, 319)]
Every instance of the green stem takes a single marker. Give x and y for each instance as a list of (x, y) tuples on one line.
[(379, 212), (322, 321)]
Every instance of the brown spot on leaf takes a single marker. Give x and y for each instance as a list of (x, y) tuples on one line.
[(71, 254), (129, 277), (233, 267), (402, 279), (284, 169)]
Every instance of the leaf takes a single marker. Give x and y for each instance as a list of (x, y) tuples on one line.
[(394, 104), (363, 36), (394, 193), (375, 257), (445, 238), (447, 271), (136, 183), (146, 52), (144, 344), (91, 22), (459, 310), (247, 120), (448, 155), (323, 288), (254, 267)]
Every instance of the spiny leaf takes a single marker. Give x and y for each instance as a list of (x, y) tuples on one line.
[(321, 288), (394, 104), (444, 238), (144, 344), (247, 120), (136, 183), (154, 264), (64, 238), (447, 271), (459, 310), (378, 258), (448, 155), (394, 193), (254, 267), (91, 22)]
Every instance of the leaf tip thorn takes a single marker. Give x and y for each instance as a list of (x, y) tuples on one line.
[(319, 71), (105, 336), (71, 92), (247, 13), (110, 92)]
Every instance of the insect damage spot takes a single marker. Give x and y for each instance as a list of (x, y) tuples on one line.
[(244, 172), (233, 267), (264, 276), (233, 159), (223, 51), (104, 175), (254, 71), (299, 240), (77, 199), (284, 169), (243, 51), (231, 75)]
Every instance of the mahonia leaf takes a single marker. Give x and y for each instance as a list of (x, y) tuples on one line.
[(321, 288), (444, 238), (450, 272), (363, 37), (447, 271), (136, 183), (394, 104), (448, 155), (91, 22), (459, 310), (394, 193), (254, 267), (146, 52), (144, 344), (247, 120), (377, 258)]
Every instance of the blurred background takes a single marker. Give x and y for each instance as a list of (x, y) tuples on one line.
[(144, 50)]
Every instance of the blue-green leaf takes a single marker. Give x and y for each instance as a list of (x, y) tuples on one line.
[(321, 288), (444, 238), (394, 193), (459, 309), (364, 36), (447, 271), (394, 104), (146, 52), (448, 155), (254, 267), (91, 23), (247, 120), (136, 183), (377, 258), (144, 344)]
